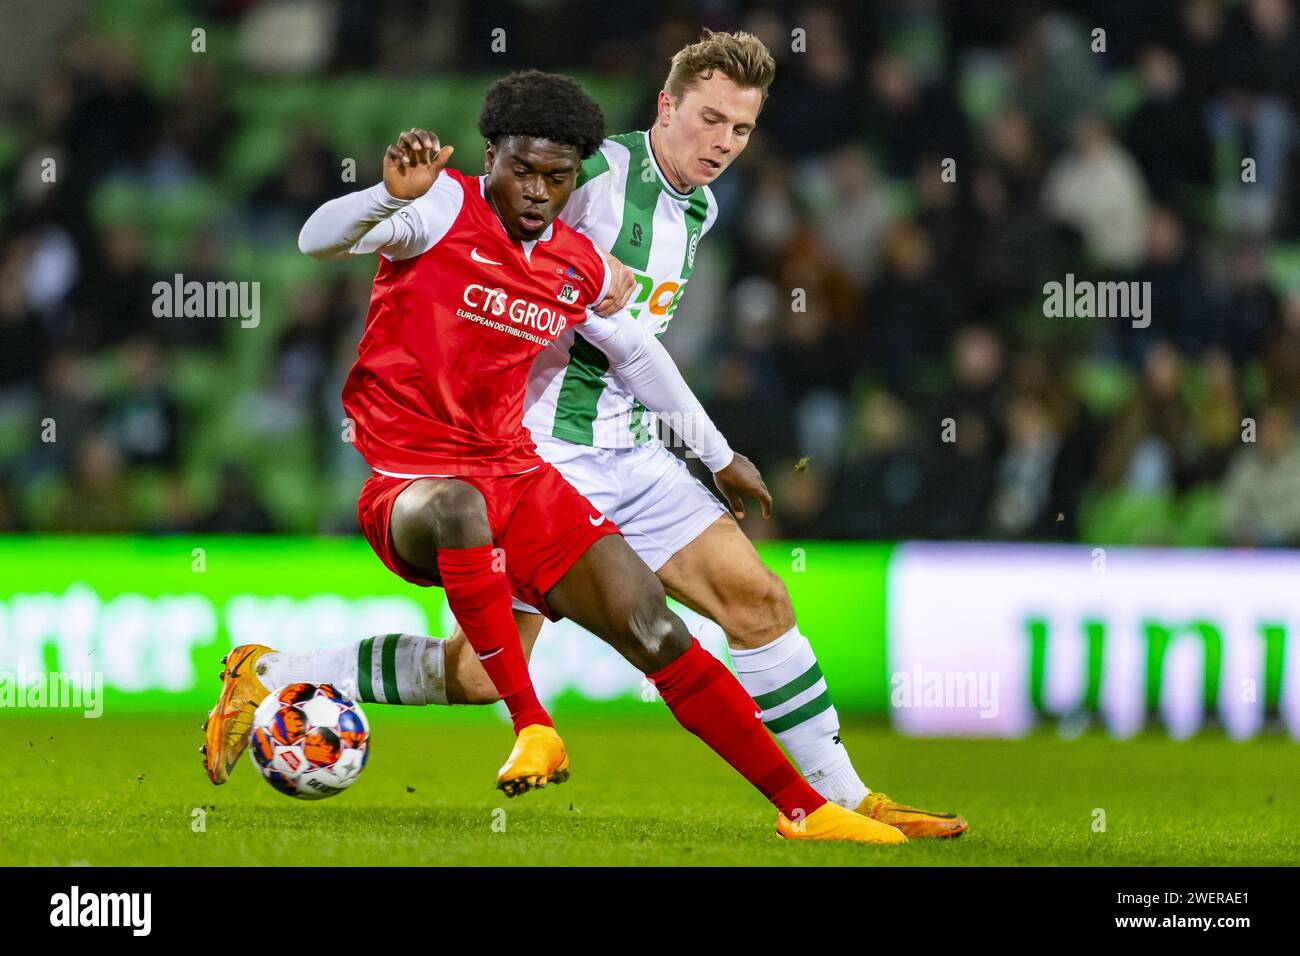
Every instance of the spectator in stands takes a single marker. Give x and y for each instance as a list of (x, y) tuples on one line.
[(916, 309), (962, 437), (1281, 355), (880, 489), (919, 119), (1096, 188), (1042, 380), (1145, 450), (1253, 306), (1216, 418), (115, 298), (143, 417), (71, 406), (1261, 494), (1254, 115), (22, 340), (1167, 134), (114, 122), (853, 221), (96, 499), (236, 510), (1022, 505), (1184, 306)]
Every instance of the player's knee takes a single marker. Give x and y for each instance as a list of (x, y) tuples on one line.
[(460, 513), (776, 600), (443, 514), (757, 609), (657, 635)]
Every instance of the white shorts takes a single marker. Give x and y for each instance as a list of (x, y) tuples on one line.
[(647, 491)]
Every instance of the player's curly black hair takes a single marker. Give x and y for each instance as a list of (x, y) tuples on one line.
[(547, 105)]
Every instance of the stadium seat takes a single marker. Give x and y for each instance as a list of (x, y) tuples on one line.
[(1198, 517), (1104, 386), (147, 493), (42, 497), (1122, 517)]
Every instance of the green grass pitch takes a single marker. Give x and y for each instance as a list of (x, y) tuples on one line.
[(123, 791)]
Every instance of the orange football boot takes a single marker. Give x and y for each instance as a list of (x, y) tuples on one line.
[(228, 724), (831, 821), (917, 824), (538, 759)]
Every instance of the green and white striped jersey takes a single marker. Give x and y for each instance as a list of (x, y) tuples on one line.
[(624, 204)]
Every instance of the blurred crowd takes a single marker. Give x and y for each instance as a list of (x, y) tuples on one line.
[(866, 321)]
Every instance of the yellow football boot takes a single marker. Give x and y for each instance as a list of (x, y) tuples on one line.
[(538, 759), (831, 821), (228, 723), (917, 824)]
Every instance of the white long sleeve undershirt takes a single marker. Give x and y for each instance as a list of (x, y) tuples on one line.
[(370, 220), (645, 365)]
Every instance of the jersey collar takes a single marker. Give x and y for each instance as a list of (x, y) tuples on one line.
[(663, 180)]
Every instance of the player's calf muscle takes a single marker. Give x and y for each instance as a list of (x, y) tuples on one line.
[(634, 619), (614, 595), (467, 681)]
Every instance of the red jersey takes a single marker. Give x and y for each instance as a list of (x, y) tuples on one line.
[(439, 382)]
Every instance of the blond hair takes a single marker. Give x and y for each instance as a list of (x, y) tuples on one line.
[(739, 56)]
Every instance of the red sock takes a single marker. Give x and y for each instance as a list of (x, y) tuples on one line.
[(480, 599), (709, 702)]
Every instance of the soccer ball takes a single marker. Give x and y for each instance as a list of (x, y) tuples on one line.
[(309, 741)]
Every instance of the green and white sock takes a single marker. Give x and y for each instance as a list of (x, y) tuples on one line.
[(385, 669), (787, 684)]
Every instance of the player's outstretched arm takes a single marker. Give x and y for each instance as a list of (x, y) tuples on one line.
[(645, 365), (364, 222)]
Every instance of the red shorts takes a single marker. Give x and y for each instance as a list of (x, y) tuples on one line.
[(538, 519)]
